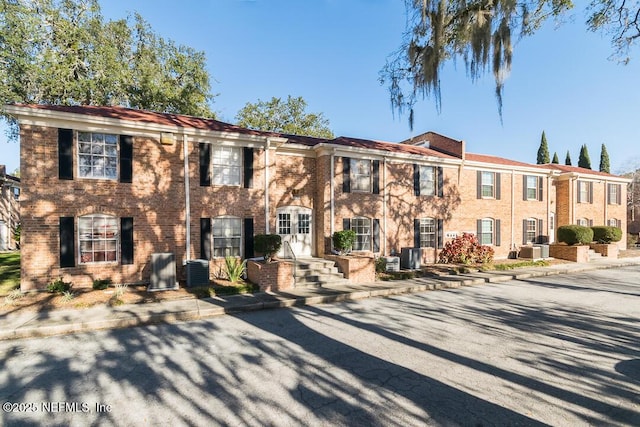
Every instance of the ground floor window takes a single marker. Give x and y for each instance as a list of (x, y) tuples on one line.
[(613, 222), (583, 221), (227, 236), (530, 230), (98, 238), (427, 233), (486, 231), (362, 228)]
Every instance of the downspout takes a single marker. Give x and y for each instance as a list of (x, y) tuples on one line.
[(331, 196), (513, 206), (606, 205), (573, 200), (187, 198), (266, 186), (384, 205), (549, 212)]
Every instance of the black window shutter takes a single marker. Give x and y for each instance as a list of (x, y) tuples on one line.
[(205, 165), (619, 195), (205, 238), (126, 158), (524, 232), (540, 188), (346, 223), (497, 232), (440, 181), (65, 154), (416, 233), (248, 167), (591, 192), (439, 236), (248, 238), (479, 185), (126, 240), (497, 175), (478, 228), (346, 175), (541, 233), (376, 235), (416, 179), (376, 177), (525, 196), (590, 223), (67, 242), (578, 186)]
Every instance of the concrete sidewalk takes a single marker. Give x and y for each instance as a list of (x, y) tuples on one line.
[(56, 322)]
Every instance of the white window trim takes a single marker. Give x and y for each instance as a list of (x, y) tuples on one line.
[(240, 166), (213, 237), (433, 233), (493, 231), (353, 175), (116, 239), (425, 172), (76, 135), (370, 235), (535, 187), (530, 221), (492, 185)]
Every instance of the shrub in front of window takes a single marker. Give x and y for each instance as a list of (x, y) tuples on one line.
[(234, 268), (100, 284), (466, 249), (343, 240), (59, 286), (606, 234), (575, 234), (267, 244), (381, 265)]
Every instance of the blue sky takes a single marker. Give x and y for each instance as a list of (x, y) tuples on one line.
[(330, 52)]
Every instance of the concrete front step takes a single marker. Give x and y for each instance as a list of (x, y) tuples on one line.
[(594, 255), (316, 272)]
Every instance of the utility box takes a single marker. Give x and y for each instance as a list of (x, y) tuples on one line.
[(197, 273), (392, 263), (163, 272), (544, 250), (410, 258), (530, 252)]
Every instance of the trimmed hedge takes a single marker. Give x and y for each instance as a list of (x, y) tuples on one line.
[(572, 234), (343, 240), (605, 234), (267, 244)]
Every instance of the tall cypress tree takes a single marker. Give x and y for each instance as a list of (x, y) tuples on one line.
[(584, 161), (604, 160), (543, 150), (555, 158), (567, 160)]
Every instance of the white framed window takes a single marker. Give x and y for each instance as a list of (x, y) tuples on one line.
[(360, 171), (583, 221), (488, 184), (284, 223), (98, 238), (531, 230), (613, 222), (486, 231), (427, 233), (613, 194), (362, 228), (427, 180), (227, 235), (584, 191), (227, 165), (97, 155), (532, 187)]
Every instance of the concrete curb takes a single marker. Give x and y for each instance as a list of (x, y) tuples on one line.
[(32, 326)]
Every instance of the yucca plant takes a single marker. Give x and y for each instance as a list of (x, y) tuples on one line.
[(235, 268)]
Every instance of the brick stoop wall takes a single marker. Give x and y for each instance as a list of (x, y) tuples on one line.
[(575, 253), (273, 276), (358, 269), (610, 250)]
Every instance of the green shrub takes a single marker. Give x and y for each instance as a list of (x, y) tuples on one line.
[(234, 268), (343, 240), (381, 265), (100, 284), (605, 234), (572, 234), (59, 286), (267, 244)]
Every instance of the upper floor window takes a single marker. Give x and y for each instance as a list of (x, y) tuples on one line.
[(488, 184), (97, 155), (362, 228), (427, 180), (585, 192), (227, 165), (613, 194), (98, 238), (532, 188), (427, 233), (360, 175), (227, 235), (16, 193)]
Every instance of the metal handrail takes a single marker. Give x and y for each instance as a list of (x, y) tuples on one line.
[(295, 260)]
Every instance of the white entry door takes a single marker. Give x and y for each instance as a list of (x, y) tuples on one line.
[(295, 226)]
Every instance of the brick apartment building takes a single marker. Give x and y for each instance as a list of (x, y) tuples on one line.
[(9, 209), (104, 188)]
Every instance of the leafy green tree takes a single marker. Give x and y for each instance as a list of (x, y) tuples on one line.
[(604, 160), (567, 159), (287, 116), (543, 151), (555, 158), (481, 34), (583, 160), (64, 52)]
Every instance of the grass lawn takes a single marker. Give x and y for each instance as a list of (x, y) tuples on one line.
[(9, 272)]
